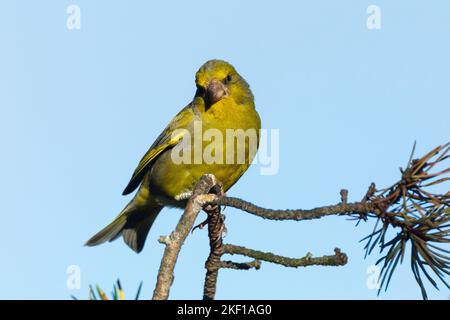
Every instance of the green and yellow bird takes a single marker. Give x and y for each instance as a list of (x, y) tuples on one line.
[(223, 101)]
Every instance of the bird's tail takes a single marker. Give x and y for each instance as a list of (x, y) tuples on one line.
[(133, 223)]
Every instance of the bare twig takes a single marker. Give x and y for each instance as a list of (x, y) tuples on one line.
[(338, 259), (341, 208), (176, 239), (213, 264)]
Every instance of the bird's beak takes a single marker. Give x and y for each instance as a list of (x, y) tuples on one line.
[(215, 91)]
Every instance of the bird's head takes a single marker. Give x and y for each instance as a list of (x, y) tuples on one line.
[(217, 80)]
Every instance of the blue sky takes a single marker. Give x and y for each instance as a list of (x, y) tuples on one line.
[(80, 107)]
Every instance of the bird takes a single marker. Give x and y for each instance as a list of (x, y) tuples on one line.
[(223, 101)]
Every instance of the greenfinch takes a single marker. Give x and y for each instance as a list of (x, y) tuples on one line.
[(223, 101)]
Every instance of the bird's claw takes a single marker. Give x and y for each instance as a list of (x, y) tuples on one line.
[(201, 225)]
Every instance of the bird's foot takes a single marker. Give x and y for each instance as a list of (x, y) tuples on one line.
[(212, 211)]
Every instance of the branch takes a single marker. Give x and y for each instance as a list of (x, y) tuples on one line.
[(176, 239), (216, 227), (422, 218), (338, 259), (341, 208)]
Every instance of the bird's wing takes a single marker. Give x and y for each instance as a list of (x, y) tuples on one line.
[(165, 140)]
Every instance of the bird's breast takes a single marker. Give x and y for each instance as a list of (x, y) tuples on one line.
[(207, 150)]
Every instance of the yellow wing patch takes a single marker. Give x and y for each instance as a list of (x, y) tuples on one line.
[(146, 161)]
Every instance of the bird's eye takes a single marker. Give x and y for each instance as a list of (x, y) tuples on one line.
[(227, 79)]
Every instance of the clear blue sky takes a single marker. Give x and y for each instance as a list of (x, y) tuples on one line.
[(79, 108)]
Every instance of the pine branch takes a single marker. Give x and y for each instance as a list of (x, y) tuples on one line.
[(409, 206)]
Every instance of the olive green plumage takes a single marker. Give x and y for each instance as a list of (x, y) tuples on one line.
[(223, 100)]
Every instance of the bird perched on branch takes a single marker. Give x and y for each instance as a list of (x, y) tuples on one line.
[(223, 112)]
